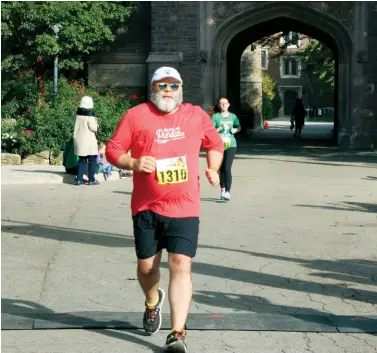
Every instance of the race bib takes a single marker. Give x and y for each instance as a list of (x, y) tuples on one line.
[(226, 141), (172, 170)]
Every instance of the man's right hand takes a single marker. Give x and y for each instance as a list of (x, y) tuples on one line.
[(146, 164)]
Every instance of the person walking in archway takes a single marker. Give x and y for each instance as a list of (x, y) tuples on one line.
[(226, 124), (298, 116)]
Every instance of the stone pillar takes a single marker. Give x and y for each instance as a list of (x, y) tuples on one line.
[(206, 34), (164, 42), (370, 65), (359, 135), (251, 84)]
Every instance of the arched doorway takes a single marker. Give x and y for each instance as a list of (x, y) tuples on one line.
[(235, 34)]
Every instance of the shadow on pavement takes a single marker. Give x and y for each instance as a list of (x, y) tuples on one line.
[(370, 178), (350, 270), (243, 302), (258, 305), (358, 271), (281, 282), (347, 206), (212, 199), (68, 234), (29, 309), (122, 192), (316, 151), (67, 178)]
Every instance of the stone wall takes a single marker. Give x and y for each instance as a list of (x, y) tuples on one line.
[(44, 157), (188, 45), (175, 43), (123, 68)]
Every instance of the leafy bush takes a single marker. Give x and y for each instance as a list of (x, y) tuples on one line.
[(276, 102), (267, 107), (42, 125), (271, 101), (9, 135)]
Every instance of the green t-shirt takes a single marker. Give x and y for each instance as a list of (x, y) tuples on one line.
[(229, 122)]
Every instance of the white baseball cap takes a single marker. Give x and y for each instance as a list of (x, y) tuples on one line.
[(86, 102), (164, 72)]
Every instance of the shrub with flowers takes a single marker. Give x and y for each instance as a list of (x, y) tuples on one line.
[(9, 135), (41, 124)]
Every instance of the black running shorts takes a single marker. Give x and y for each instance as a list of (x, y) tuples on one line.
[(154, 232)]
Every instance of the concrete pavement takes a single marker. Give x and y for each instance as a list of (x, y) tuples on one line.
[(297, 238)]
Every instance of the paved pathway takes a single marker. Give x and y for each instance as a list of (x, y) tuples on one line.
[(298, 238), (279, 128)]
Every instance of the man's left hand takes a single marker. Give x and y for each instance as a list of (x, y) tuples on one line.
[(213, 177)]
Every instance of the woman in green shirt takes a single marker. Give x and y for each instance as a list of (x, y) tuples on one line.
[(227, 124)]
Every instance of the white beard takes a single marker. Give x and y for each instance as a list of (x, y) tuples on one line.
[(166, 105)]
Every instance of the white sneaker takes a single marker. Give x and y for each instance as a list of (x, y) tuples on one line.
[(222, 194), (227, 196), (110, 177)]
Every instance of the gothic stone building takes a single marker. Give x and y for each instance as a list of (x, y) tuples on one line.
[(205, 40)]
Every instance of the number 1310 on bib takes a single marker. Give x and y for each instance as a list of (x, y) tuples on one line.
[(172, 170)]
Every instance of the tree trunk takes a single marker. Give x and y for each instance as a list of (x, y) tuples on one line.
[(40, 72)]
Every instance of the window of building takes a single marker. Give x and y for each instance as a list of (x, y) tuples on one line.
[(264, 59), (292, 38), (290, 67)]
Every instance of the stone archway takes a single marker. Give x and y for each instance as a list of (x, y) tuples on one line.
[(317, 20)]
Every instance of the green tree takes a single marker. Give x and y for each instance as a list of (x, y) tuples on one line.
[(85, 27), (318, 59), (271, 101)]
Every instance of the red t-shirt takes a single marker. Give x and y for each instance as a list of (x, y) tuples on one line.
[(147, 132)]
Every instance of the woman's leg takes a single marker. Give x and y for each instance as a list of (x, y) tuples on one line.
[(92, 167), (299, 132), (222, 170), (81, 166), (299, 129), (228, 162)]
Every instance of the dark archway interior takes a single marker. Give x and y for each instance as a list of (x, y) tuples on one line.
[(257, 32)]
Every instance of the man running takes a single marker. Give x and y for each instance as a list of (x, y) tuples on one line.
[(165, 137)]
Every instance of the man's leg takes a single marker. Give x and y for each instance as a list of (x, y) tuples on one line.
[(180, 289), (148, 250), (181, 235), (148, 274)]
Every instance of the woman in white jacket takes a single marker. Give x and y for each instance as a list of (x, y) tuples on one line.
[(85, 141)]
